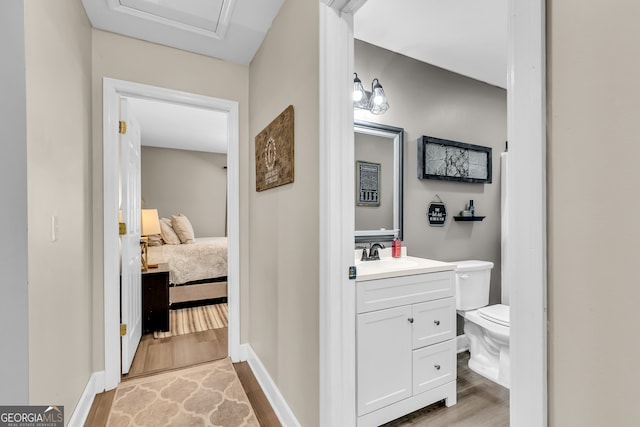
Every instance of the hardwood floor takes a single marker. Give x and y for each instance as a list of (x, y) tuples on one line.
[(157, 355), (481, 403), (160, 355)]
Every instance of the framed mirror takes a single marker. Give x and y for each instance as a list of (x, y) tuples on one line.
[(379, 172)]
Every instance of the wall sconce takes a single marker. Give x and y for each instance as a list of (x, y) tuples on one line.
[(374, 101)]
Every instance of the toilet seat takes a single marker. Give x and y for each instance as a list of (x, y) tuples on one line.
[(497, 313)]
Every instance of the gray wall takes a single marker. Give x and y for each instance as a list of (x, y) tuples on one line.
[(14, 309), (284, 223), (593, 179), (58, 82), (193, 183), (426, 100)]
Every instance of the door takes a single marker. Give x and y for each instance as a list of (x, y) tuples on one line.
[(384, 358), (130, 261)]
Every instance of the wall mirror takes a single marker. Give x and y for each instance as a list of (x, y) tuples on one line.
[(379, 172)]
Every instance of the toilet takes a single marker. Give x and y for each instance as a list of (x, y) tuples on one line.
[(486, 326)]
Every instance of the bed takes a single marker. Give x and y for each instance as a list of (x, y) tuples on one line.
[(197, 271)]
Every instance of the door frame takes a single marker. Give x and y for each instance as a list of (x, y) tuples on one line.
[(526, 122), (112, 90)]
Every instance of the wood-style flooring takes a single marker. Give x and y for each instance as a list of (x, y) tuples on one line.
[(481, 403), (160, 355)]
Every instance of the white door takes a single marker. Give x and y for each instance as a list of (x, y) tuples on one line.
[(384, 358), (130, 262)]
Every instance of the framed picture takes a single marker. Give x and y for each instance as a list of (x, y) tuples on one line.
[(274, 152), (368, 183), (453, 161)]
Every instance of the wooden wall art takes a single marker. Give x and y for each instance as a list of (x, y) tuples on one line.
[(274, 152)]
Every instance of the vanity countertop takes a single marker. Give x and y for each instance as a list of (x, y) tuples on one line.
[(388, 267)]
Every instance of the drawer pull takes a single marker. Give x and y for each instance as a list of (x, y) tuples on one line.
[(436, 322), (437, 367), (410, 319)]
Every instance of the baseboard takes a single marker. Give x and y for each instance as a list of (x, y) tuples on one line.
[(94, 385), (278, 403), (462, 343)]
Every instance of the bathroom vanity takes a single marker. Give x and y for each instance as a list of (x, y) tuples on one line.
[(405, 337)]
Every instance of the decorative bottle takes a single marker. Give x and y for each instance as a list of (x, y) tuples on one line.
[(395, 248)]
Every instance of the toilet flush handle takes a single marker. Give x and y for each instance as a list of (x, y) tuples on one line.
[(464, 276)]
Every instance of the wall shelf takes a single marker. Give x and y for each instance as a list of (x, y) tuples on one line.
[(468, 218)]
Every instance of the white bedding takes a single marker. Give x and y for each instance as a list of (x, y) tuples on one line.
[(204, 259)]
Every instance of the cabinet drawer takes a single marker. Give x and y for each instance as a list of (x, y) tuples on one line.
[(434, 322), (403, 290), (434, 366)]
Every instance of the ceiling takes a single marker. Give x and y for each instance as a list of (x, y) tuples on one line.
[(168, 125), (468, 37), (227, 29)]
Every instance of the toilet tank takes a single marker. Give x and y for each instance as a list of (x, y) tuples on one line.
[(472, 284)]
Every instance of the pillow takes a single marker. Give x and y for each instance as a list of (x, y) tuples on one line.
[(168, 234), (183, 228), (155, 240)]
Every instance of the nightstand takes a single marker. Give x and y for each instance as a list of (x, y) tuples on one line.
[(155, 299)]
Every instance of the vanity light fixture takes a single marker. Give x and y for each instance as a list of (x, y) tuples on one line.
[(374, 101)]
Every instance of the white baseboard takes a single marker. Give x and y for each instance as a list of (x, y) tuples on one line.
[(462, 343), (94, 385), (278, 403)]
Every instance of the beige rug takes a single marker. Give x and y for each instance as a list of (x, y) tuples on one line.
[(205, 395), (196, 319)]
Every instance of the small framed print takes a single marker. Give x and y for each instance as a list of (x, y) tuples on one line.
[(368, 183)]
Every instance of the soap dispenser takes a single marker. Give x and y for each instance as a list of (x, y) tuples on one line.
[(396, 248)]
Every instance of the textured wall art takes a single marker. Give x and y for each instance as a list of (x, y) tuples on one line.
[(453, 160), (368, 183), (274, 152)]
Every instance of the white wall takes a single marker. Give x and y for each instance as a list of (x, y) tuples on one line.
[(58, 84), (193, 183), (284, 221), (14, 308), (427, 100), (593, 179)]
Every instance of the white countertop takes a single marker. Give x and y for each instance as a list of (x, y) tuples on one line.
[(388, 266)]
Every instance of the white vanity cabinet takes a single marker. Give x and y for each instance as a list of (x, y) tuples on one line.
[(405, 345)]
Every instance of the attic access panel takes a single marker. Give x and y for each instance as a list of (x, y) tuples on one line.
[(208, 15), (453, 161)]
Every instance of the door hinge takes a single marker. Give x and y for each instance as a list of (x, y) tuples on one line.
[(122, 127), (122, 228), (123, 329)]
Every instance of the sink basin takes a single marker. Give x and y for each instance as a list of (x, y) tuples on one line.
[(398, 262), (387, 267)]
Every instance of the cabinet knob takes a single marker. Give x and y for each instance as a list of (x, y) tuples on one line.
[(410, 319), (437, 367), (436, 322)]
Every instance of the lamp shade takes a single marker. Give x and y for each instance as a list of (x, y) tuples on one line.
[(150, 223), (378, 102), (360, 98)]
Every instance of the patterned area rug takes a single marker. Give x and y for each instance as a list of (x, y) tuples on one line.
[(195, 319), (205, 395)]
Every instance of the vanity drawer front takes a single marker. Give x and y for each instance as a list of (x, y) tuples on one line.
[(402, 290), (434, 366), (434, 322)]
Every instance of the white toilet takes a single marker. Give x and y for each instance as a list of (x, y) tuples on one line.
[(486, 326)]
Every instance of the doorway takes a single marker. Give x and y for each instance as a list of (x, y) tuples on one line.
[(527, 251), (113, 90)]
